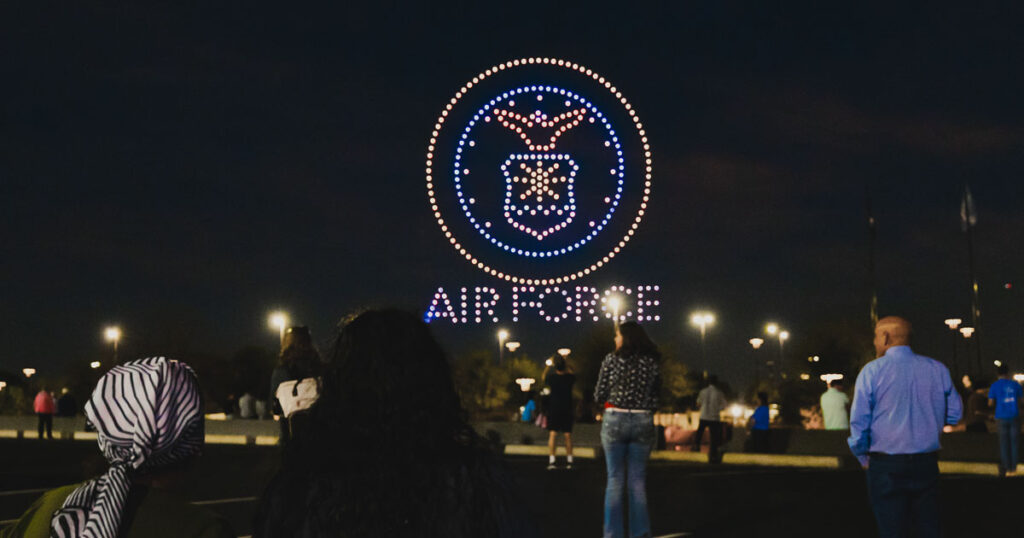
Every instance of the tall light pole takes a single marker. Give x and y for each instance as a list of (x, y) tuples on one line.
[(112, 334), (772, 329), (279, 320), (967, 333), (756, 343), (701, 320), (502, 336), (953, 323)]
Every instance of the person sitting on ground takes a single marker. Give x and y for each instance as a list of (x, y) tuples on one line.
[(560, 408), (388, 451), (149, 423)]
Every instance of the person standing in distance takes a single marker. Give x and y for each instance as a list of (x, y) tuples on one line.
[(901, 403), (1005, 397), (560, 408), (711, 401), (629, 381), (834, 406)]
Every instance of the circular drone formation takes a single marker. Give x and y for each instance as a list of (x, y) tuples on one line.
[(540, 180)]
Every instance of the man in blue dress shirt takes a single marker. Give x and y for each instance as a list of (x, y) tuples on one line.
[(901, 403)]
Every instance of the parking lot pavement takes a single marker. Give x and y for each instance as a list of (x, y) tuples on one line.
[(685, 498)]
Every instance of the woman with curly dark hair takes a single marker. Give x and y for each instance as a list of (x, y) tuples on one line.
[(388, 451), (629, 381)]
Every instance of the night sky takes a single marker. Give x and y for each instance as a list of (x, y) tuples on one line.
[(183, 171)]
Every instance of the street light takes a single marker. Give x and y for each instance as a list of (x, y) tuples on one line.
[(967, 331), (702, 320), (2, 385), (1018, 378), (112, 334), (615, 303), (502, 336), (756, 343), (279, 320), (525, 383), (512, 346), (997, 363), (29, 372), (564, 352), (94, 364), (772, 329), (828, 378)]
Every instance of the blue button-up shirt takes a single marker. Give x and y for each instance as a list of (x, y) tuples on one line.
[(900, 405)]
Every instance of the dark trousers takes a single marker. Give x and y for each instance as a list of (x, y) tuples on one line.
[(45, 421), (1009, 430), (904, 494), (759, 441), (715, 431)]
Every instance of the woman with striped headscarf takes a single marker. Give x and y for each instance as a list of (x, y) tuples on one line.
[(149, 423)]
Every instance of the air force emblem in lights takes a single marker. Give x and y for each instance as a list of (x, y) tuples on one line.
[(538, 173)]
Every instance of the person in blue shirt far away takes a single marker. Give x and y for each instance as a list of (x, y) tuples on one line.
[(1005, 397), (760, 423), (900, 405)]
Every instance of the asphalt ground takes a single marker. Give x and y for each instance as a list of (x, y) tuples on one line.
[(698, 499)]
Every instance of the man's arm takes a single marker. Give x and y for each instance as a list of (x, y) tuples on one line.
[(860, 418)]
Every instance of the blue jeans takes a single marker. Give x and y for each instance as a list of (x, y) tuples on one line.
[(1008, 431), (627, 439), (904, 494)]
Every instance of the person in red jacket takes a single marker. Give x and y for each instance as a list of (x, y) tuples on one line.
[(44, 408)]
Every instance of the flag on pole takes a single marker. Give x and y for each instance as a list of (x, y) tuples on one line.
[(968, 218)]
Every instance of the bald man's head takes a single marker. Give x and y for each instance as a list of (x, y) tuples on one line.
[(891, 331)]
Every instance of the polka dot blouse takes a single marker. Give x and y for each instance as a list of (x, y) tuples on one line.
[(628, 382)]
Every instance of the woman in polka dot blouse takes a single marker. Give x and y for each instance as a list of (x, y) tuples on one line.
[(629, 382)]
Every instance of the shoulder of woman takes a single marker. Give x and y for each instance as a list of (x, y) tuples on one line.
[(36, 519)]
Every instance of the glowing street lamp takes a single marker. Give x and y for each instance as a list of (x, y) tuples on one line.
[(998, 363), (828, 378), (279, 321), (772, 329), (967, 331), (615, 303), (1018, 378), (702, 320), (2, 385), (756, 343), (94, 364), (564, 352), (525, 383), (29, 372), (512, 346), (502, 336), (112, 334)]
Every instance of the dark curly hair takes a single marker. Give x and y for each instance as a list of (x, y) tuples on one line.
[(388, 450)]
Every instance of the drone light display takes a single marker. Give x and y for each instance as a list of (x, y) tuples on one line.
[(538, 173)]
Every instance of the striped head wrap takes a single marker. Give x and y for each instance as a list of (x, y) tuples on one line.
[(147, 414)]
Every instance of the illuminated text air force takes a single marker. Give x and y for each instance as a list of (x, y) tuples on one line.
[(555, 304)]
